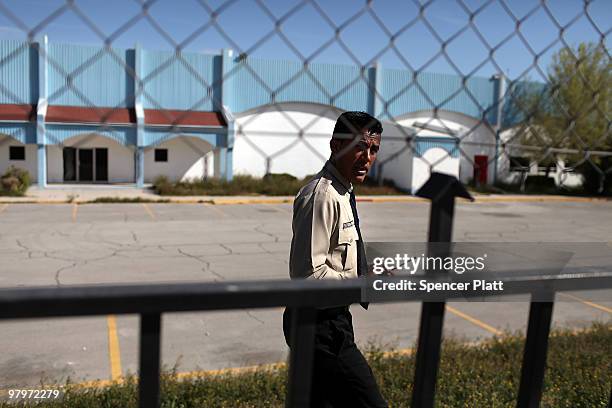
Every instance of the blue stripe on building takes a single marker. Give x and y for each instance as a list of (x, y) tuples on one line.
[(91, 76)]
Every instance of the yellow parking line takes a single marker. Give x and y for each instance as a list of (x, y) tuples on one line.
[(475, 321), (149, 211), (586, 302), (4, 207), (75, 210), (216, 208), (114, 352)]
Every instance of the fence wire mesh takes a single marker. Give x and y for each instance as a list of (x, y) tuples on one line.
[(552, 119)]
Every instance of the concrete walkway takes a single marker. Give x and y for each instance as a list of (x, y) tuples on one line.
[(81, 194)]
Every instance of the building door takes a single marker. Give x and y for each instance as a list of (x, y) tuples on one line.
[(481, 164), (101, 164), (86, 165), (70, 164)]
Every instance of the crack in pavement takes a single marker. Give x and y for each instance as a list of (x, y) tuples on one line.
[(251, 315), (60, 233), (25, 249), (206, 263), (258, 228), (60, 270), (229, 250), (75, 263), (267, 251)]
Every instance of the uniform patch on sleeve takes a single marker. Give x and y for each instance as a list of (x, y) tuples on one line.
[(348, 224)]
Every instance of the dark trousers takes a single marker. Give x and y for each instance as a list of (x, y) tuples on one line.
[(341, 375)]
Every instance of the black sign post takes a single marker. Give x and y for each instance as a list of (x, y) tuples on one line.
[(441, 189)]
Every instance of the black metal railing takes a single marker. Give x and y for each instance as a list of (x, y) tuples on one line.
[(150, 301)]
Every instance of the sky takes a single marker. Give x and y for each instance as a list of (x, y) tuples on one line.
[(296, 30)]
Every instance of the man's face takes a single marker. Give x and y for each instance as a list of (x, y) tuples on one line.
[(354, 158)]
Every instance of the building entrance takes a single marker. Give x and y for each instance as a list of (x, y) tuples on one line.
[(85, 165)]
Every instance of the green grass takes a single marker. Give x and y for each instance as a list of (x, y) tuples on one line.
[(271, 184), (482, 375)]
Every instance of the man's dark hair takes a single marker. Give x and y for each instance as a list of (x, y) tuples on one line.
[(353, 123)]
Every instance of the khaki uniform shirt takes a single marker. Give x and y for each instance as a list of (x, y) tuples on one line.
[(324, 234)]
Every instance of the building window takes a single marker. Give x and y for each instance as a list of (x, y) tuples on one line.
[(161, 155), (519, 163), (17, 153)]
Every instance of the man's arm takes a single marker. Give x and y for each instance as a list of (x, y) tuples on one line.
[(314, 225)]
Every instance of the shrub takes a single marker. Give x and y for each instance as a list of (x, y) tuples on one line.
[(14, 182), (271, 184)]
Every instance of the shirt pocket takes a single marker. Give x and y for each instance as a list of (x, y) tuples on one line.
[(347, 246)]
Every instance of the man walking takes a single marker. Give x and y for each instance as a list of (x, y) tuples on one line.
[(327, 244)]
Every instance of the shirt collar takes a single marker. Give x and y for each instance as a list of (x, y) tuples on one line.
[(336, 174)]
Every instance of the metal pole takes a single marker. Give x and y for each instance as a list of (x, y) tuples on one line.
[(148, 387), (301, 357), (442, 190), (534, 357)]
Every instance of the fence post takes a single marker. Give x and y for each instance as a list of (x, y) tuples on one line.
[(41, 111), (441, 189), (148, 386), (139, 85), (534, 357), (301, 357)]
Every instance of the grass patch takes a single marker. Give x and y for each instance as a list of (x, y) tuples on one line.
[(535, 185), (483, 375), (271, 185)]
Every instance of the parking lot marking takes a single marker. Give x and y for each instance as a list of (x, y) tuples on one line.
[(586, 302), (475, 321), (149, 211), (3, 207), (114, 352), (215, 208), (75, 210)]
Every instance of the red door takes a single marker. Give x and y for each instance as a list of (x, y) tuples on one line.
[(481, 164)]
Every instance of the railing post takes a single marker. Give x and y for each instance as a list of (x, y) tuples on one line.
[(301, 357), (441, 189), (148, 387), (534, 357)]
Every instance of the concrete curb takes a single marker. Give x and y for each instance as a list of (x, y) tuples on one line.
[(228, 200)]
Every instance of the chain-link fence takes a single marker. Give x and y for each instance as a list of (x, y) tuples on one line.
[(233, 112)]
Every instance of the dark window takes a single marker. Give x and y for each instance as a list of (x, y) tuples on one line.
[(161, 155), (101, 164), (17, 153), (518, 163), (548, 166)]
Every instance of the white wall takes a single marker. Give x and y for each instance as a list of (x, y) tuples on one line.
[(271, 133), (120, 158), (422, 168), (394, 159), (30, 163), (476, 139), (188, 158)]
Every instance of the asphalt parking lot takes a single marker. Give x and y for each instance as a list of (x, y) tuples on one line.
[(68, 244)]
